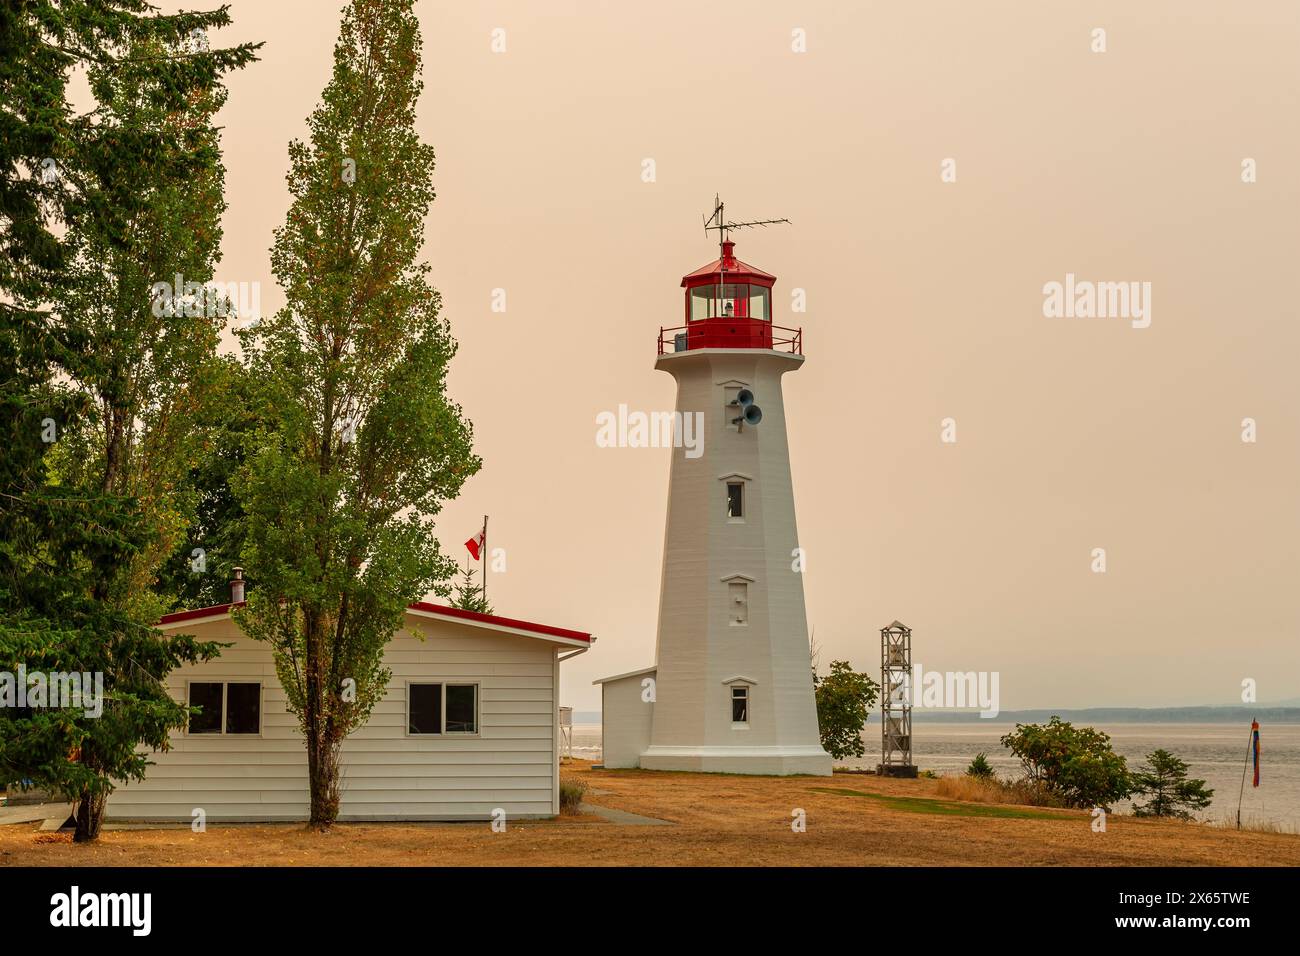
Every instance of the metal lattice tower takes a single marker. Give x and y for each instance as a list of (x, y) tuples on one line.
[(896, 701), (566, 731)]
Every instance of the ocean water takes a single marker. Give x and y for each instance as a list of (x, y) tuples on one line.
[(1215, 753)]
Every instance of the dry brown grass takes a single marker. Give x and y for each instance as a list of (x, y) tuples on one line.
[(993, 790), (719, 820), (1254, 825), (572, 790)]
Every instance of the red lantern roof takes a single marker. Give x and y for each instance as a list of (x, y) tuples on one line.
[(735, 270)]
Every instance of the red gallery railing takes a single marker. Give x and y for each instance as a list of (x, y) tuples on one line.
[(775, 337)]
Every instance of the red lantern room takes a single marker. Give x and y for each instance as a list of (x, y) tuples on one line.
[(728, 306)]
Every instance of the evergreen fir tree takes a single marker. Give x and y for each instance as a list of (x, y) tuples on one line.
[(63, 605), (1163, 779), (469, 595)]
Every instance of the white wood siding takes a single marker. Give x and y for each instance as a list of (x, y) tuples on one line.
[(511, 763), (625, 720)]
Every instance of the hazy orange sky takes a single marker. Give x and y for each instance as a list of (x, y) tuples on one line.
[(924, 301)]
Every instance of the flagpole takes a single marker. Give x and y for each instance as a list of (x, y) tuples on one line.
[(1250, 747), (485, 562)]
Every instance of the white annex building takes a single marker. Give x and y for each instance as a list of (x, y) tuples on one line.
[(731, 689), (470, 724)]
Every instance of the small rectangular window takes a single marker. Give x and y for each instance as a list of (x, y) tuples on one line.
[(735, 499), (462, 709), (206, 696), (243, 708), (740, 705), (424, 708), (233, 707)]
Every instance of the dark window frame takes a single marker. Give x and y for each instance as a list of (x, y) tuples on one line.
[(739, 486), (442, 708), (223, 717), (742, 698)]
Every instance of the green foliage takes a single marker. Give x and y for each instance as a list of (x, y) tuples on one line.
[(980, 767), (217, 530), (340, 492), (151, 371), (1164, 779), (75, 544), (844, 700), (73, 751), (469, 595), (1077, 765), (41, 42)]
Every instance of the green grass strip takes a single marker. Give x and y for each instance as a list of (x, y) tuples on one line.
[(949, 808)]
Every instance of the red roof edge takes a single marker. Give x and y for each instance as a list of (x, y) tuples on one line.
[(198, 612), (445, 611), (440, 609)]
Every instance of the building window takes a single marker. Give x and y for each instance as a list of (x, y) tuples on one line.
[(432, 707), (424, 708), (462, 709), (243, 708), (226, 707), (735, 499), (740, 705)]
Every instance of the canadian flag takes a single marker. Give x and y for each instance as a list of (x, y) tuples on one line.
[(476, 544)]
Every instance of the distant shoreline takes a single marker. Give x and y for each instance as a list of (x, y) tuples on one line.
[(1112, 715)]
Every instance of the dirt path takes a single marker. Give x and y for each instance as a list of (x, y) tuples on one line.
[(719, 820)]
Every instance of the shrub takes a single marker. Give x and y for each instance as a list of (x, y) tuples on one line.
[(980, 767), (571, 794), (844, 700), (1076, 765)]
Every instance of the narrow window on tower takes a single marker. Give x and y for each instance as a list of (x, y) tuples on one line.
[(735, 499), (740, 705)]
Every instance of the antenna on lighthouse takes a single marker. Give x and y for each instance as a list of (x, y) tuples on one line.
[(719, 222)]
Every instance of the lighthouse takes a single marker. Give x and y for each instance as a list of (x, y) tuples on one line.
[(731, 687)]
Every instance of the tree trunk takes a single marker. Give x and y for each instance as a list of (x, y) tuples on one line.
[(90, 817), (323, 776)]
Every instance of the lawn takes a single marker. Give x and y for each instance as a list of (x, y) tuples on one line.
[(717, 820)]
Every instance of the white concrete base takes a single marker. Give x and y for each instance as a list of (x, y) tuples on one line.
[(762, 761)]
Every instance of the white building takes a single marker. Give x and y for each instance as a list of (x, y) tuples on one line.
[(470, 724), (731, 689)]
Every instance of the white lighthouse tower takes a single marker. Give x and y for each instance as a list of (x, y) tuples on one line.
[(731, 689)]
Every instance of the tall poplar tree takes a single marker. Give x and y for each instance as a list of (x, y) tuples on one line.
[(340, 497)]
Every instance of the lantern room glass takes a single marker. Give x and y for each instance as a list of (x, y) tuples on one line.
[(736, 300)]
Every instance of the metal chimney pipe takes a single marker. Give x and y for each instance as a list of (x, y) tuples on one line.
[(237, 586)]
